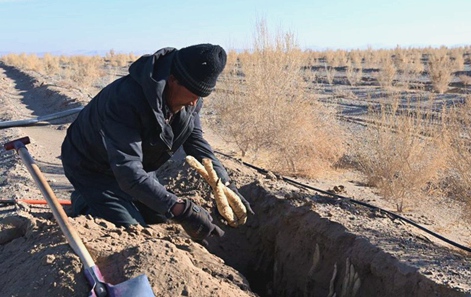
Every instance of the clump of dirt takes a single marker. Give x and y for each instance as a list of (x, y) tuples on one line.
[(39, 261)]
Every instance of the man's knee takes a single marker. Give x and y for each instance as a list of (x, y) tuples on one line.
[(79, 205)]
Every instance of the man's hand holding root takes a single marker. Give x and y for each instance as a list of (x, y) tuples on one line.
[(230, 204), (197, 222), (232, 187)]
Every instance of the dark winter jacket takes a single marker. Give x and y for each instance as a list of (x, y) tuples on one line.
[(122, 132)]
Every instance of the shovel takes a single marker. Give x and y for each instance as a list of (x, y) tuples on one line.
[(138, 286)]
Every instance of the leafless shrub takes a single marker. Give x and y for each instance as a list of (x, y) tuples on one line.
[(386, 73), (400, 58), (415, 67), (354, 73), (395, 156), (356, 57), (313, 57), (85, 70), (270, 114), (51, 64), (23, 61), (457, 57), (457, 177), (373, 58), (330, 74), (409, 65), (11, 60), (440, 70), (465, 79), (467, 54), (117, 60), (331, 60), (232, 64), (337, 58), (340, 58)]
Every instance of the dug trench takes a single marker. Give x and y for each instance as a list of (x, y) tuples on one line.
[(295, 246), (292, 251), (298, 243)]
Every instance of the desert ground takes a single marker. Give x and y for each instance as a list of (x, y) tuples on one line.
[(300, 242)]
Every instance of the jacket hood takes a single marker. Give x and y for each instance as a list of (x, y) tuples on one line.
[(151, 72)]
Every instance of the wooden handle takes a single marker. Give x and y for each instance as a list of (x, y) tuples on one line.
[(59, 214)]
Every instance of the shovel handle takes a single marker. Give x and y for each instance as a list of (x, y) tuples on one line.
[(59, 214)]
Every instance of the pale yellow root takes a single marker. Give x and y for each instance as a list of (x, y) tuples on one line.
[(237, 206), (221, 200), (223, 206), (228, 203), (208, 165), (200, 169)]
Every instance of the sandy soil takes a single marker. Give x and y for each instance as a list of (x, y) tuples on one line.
[(301, 242)]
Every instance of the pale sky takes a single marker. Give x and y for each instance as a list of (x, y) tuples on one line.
[(63, 26)]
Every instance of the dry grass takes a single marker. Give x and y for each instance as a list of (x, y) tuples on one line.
[(85, 70), (79, 72), (23, 61), (51, 64), (119, 60)]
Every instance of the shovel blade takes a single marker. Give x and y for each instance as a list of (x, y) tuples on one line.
[(138, 286)]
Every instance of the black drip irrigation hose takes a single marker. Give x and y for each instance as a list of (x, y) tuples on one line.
[(392, 214), (40, 119)]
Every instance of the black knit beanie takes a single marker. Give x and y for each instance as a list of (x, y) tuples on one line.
[(197, 67)]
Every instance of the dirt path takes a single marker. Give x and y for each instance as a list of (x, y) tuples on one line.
[(21, 99), (300, 243)]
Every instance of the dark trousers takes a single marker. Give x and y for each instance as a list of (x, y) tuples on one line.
[(100, 196)]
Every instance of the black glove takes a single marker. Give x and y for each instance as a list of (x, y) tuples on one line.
[(233, 187), (197, 222)]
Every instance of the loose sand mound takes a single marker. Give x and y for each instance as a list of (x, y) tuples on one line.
[(38, 261)]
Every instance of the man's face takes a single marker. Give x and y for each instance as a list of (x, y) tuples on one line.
[(178, 96)]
